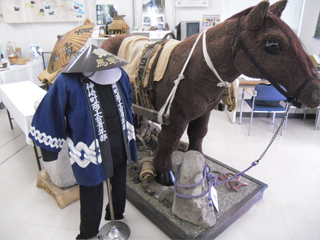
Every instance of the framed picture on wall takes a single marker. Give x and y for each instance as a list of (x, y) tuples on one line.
[(35, 51), (209, 21), (153, 13)]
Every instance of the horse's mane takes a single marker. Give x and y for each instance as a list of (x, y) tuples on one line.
[(297, 46)]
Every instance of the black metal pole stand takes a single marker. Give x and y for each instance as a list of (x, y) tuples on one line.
[(37, 155), (113, 230)]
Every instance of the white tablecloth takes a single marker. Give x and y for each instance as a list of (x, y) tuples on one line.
[(20, 73), (19, 99)]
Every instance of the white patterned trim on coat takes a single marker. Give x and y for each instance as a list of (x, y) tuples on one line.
[(84, 155), (47, 139), (131, 134), (98, 116), (119, 105)]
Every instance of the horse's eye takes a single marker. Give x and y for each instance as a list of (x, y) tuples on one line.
[(272, 47)]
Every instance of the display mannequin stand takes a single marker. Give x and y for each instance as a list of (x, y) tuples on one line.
[(113, 230)]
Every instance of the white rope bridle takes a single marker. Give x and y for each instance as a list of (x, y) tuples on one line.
[(167, 104)]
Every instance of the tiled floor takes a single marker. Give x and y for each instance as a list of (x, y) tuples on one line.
[(289, 209)]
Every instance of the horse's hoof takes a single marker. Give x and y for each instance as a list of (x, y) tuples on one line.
[(165, 178), (221, 107)]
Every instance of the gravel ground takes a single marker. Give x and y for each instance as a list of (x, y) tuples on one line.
[(226, 197)]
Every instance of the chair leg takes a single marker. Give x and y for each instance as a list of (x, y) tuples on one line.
[(317, 119), (241, 107), (240, 117), (305, 114), (273, 118), (285, 122), (250, 122)]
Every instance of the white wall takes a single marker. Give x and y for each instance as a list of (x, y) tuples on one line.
[(45, 33), (195, 14), (291, 15), (309, 21)]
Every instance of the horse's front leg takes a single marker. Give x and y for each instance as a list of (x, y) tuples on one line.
[(197, 130), (168, 138)]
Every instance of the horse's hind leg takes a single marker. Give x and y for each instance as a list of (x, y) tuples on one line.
[(197, 130)]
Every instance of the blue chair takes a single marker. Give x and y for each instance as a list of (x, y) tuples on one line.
[(265, 99)]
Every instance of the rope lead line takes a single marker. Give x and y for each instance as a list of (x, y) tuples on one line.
[(256, 162), (213, 179)]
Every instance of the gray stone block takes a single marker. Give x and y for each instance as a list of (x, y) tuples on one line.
[(60, 170), (195, 210)]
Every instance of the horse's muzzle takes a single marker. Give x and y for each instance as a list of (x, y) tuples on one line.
[(315, 95)]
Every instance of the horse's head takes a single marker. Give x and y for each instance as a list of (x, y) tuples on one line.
[(267, 48)]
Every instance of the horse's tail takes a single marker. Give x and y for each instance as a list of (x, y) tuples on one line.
[(112, 44)]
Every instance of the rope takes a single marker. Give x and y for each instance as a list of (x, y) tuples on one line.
[(210, 64), (256, 162), (167, 104), (213, 179)]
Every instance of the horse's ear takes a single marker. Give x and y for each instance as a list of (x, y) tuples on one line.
[(278, 7), (256, 16)]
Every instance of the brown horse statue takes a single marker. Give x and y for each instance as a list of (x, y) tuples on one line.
[(254, 42)]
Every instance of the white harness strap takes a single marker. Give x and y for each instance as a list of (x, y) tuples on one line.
[(210, 64), (167, 104)]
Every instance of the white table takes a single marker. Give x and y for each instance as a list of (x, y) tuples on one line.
[(19, 99), (20, 73)]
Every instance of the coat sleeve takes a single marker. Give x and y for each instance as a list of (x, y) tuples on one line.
[(48, 127)]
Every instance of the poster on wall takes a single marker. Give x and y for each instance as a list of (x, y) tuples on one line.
[(153, 12), (106, 13), (192, 3), (209, 21), (26, 11), (317, 32)]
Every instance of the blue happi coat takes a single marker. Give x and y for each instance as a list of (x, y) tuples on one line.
[(63, 115)]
